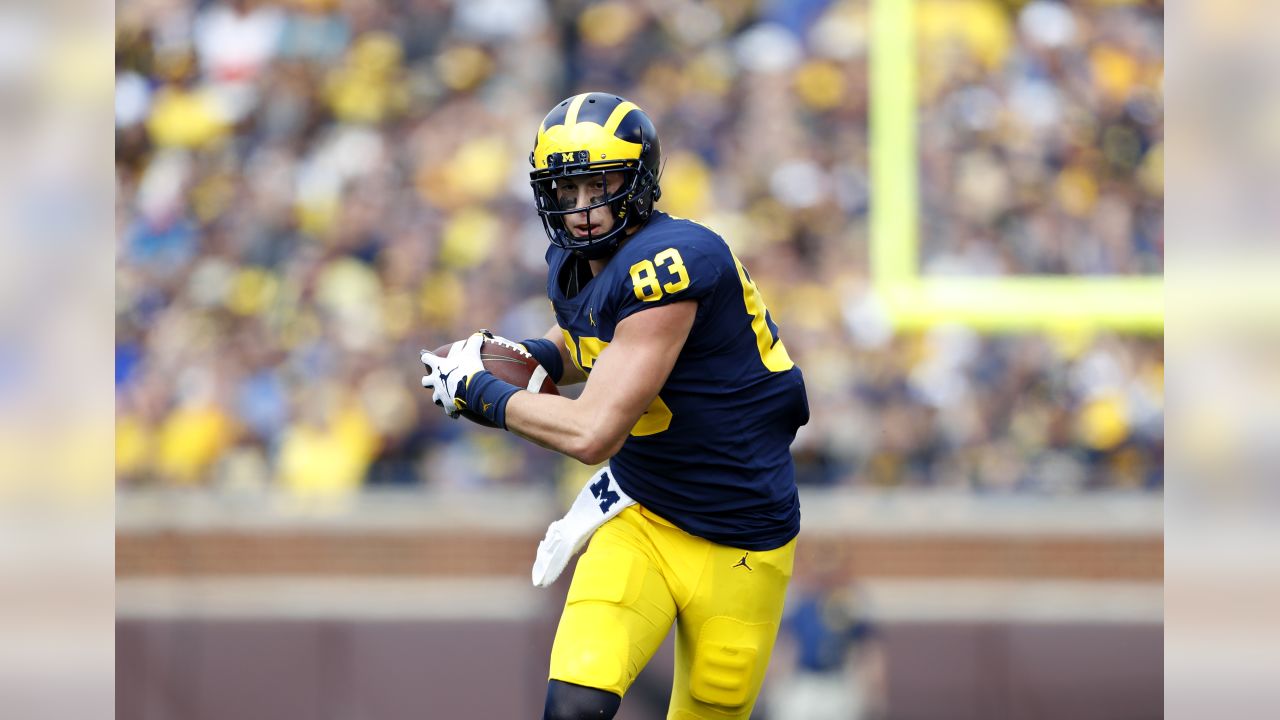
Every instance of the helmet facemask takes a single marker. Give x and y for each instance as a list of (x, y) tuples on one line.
[(556, 191)]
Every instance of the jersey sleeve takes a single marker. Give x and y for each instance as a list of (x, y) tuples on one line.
[(672, 269)]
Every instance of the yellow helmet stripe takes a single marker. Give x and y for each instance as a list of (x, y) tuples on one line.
[(615, 117), (571, 118)]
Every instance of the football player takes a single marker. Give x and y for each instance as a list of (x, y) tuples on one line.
[(691, 397)]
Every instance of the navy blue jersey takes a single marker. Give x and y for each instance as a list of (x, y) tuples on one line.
[(712, 452)]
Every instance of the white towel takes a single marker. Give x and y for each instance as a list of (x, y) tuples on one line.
[(600, 500)]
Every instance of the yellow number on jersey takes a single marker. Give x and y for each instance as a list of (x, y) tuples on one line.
[(672, 256), (585, 351), (772, 352), (644, 275), (656, 418), (644, 281)]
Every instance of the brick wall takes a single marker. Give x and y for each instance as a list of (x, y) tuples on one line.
[(453, 553)]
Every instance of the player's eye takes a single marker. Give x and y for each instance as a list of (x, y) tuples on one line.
[(596, 189), (567, 196)]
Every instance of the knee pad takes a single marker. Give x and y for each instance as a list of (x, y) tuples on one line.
[(727, 668), (566, 701)]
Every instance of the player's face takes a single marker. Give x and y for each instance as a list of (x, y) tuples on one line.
[(588, 190)]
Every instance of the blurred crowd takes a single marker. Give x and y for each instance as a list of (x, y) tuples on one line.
[(310, 191)]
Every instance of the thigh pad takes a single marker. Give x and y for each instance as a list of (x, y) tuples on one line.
[(727, 666)]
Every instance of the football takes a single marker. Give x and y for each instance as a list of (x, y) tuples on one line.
[(509, 361)]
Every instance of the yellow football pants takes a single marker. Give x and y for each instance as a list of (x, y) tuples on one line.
[(639, 574)]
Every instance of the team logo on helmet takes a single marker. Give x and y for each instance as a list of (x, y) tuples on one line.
[(559, 159)]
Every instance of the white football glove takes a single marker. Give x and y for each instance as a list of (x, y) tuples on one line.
[(447, 376)]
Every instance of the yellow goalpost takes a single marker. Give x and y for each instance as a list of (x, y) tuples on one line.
[(1010, 304)]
